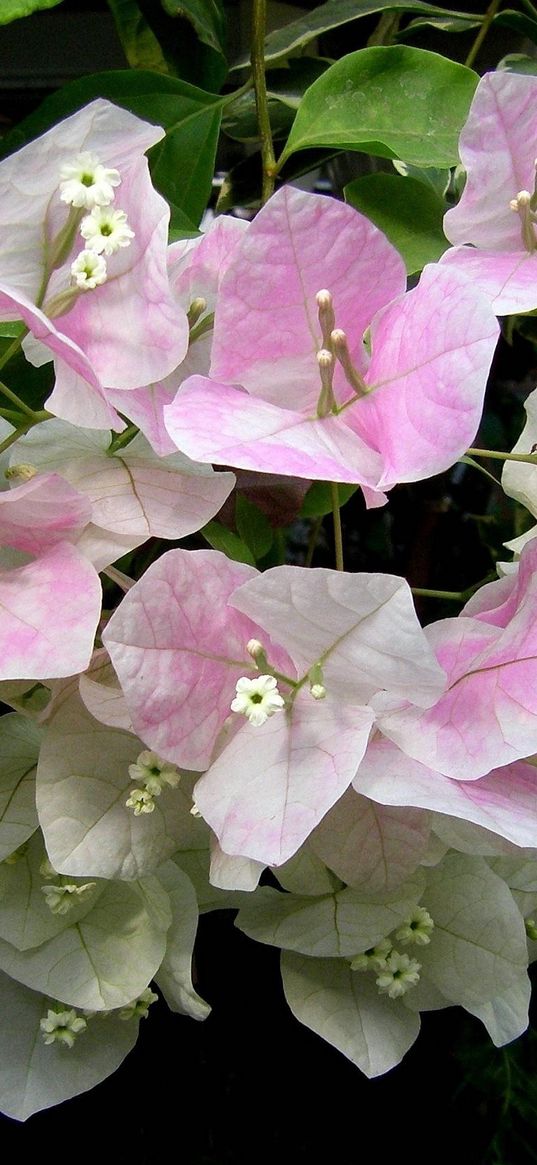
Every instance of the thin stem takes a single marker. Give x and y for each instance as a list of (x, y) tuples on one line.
[(487, 21), (123, 439), (16, 400), (526, 458), (312, 540), (29, 424), (338, 539), (481, 468), (13, 348), (11, 415), (263, 119), (456, 596)]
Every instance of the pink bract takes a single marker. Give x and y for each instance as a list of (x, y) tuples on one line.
[(423, 385), (178, 644), (130, 328), (498, 147), (488, 715)]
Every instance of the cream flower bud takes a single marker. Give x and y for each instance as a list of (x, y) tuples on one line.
[(141, 801), (417, 928), (22, 472), (138, 1008)]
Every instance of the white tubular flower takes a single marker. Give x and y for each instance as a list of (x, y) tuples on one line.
[(141, 801), (139, 1008), (61, 898), (417, 928), (153, 773), (257, 699), (88, 270), (373, 959), (62, 1027), (398, 976), (87, 183), (106, 230)]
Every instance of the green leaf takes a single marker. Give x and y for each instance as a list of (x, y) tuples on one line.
[(436, 179), (220, 538), (318, 500), (522, 24), (518, 63), (440, 23), (393, 102), (253, 527), (207, 17), (333, 14), (12, 328), (182, 164), (139, 42), (285, 89), (409, 214), (16, 9)]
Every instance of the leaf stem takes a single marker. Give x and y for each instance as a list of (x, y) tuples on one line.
[(260, 87), (336, 512), (122, 439), (456, 596), (24, 428), (312, 540), (487, 21), (496, 455), (16, 400), (13, 348)]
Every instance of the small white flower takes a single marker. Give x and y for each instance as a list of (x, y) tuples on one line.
[(374, 959), (139, 1008), (153, 773), (257, 699), (141, 801), (105, 230), (88, 270), (398, 976), (62, 1027), (417, 928), (87, 183), (62, 897)]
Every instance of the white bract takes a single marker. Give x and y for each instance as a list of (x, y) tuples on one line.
[(87, 183), (257, 699), (105, 230)]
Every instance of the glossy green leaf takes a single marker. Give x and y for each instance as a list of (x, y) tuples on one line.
[(285, 89), (393, 102), (207, 17), (318, 500), (253, 527), (15, 9), (138, 41), (182, 163), (408, 212), (519, 22), (333, 14), (220, 538), (450, 24), (518, 63)]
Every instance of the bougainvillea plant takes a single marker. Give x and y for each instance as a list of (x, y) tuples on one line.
[(195, 716)]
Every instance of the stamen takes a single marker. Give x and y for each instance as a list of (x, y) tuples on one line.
[(326, 400), (522, 205), (327, 319), (340, 348)]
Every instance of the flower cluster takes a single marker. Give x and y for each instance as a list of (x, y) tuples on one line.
[(218, 712)]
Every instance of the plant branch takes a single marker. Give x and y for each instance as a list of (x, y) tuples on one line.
[(260, 87), (487, 21), (338, 539)]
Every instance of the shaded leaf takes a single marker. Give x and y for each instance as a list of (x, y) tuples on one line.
[(207, 17), (408, 212), (392, 102), (333, 14)]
